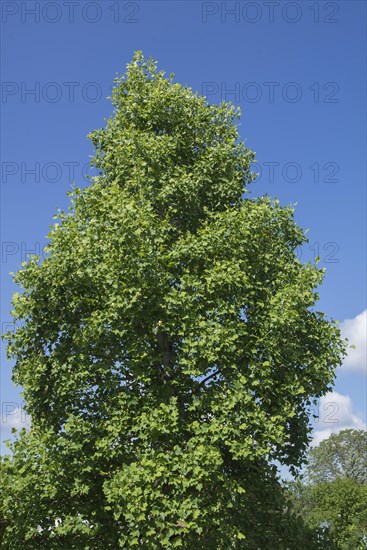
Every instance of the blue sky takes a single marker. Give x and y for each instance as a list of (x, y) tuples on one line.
[(296, 69)]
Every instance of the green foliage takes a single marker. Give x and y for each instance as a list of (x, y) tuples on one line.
[(168, 345), (338, 508), (341, 455), (342, 505), (336, 498)]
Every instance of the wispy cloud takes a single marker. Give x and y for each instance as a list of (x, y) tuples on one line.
[(356, 331)]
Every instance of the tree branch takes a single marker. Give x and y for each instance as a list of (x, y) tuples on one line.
[(206, 379), (167, 352)]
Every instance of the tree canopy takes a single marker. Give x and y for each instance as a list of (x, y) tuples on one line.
[(341, 455), (333, 495), (168, 346)]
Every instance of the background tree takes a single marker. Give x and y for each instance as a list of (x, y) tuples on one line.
[(341, 455), (334, 496), (168, 346), (341, 505)]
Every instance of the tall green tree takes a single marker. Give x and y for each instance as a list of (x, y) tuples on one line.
[(168, 345)]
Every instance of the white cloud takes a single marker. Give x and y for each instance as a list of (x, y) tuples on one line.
[(335, 413), (356, 331)]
